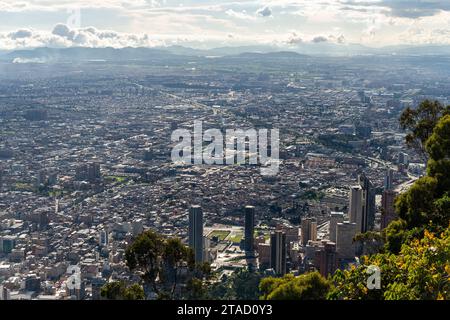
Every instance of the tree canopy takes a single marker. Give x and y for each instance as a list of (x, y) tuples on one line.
[(161, 261), (118, 290), (310, 286), (421, 121)]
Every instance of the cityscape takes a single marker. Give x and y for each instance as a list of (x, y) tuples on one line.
[(93, 206)]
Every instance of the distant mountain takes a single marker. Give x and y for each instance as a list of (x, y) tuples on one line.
[(422, 50), (278, 54), (221, 51), (85, 54), (180, 53), (332, 49)]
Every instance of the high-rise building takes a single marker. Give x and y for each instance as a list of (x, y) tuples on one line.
[(249, 229), (389, 179), (403, 158), (325, 258), (308, 230), (292, 234), (5, 293), (369, 206), (137, 227), (196, 232), (89, 172), (355, 212), (336, 217), (96, 286), (36, 114), (93, 171), (1, 180), (7, 243), (264, 255), (387, 203), (345, 247), (278, 252), (103, 238)]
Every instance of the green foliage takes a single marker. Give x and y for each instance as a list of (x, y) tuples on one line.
[(196, 290), (118, 290), (426, 202), (144, 256), (160, 261), (371, 241), (395, 234), (421, 121), (438, 147), (420, 271), (242, 285), (245, 285), (310, 286), (415, 206)]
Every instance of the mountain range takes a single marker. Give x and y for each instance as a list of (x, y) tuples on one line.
[(41, 55)]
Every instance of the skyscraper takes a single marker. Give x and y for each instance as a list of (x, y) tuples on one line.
[(103, 238), (249, 229), (355, 211), (403, 158), (196, 232), (369, 207), (388, 179), (325, 258), (278, 252), (336, 217), (387, 203), (1, 179), (345, 248), (308, 230)]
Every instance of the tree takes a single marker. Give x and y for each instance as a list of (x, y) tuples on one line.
[(416, 206), (241, 285), (144, 256), (395, 234), (196, 290), (421, 121), (438, 147), (370, 241), (118, 290), (245, 285), (426, 202), (159, 261), (421, 270), (310, 286), (174, 255)]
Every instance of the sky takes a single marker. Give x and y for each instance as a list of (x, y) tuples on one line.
[(216, 23)]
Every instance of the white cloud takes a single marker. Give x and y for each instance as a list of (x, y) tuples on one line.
[(63, 36), (239, 15), (210, 22), (294, 39), (19, 34), (319, 39), (264, 12)]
